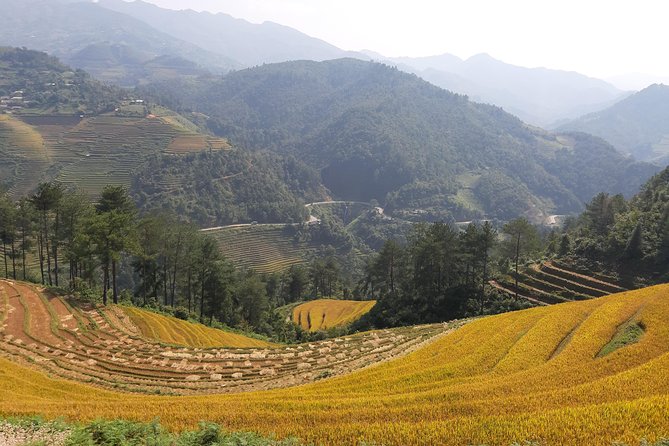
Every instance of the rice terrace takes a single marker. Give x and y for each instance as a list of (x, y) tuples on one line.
[(219, 230), (516, 373)]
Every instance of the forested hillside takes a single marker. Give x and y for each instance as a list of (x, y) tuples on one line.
[(638, 125), (228, 187), (539, 96), (628, 237), (377, 133), (59, 124)]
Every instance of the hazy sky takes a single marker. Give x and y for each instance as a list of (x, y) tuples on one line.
[(595, 37)]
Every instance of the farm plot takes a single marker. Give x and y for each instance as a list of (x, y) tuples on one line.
[(106, 348), (540, 375), (322, 314), (92, 152), (263, 248), (555, 282), (171, 330)]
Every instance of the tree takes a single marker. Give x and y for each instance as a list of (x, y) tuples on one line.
[(46, 200), (113, 233), (634, 249), (8, 217), (522, 241)]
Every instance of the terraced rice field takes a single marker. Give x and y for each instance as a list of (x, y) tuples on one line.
[(107, 348), (171, 330), (94, 151), (555, 282), (322, 314), (534, 375), (23, 153), (263, 248)]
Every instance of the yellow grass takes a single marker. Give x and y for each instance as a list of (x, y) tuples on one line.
[(322, 314), (529, 375), (23, 138), (176, 331)]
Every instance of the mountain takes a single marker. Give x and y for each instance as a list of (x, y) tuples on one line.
[(94, 38), (539, 96), (637, 125), (58, 124), (247, 43), (377, 133)]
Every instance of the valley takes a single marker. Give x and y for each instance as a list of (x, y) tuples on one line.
[(218, 229)]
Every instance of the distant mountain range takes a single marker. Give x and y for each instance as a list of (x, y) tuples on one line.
[(539, 96), (374, 132), (638, 125), (246, 43), (131, 43)]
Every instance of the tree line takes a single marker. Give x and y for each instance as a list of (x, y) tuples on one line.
[(442, 273), (106, 250)]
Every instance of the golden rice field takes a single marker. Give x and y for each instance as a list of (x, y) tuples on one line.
[(171, 330), (322, 314), (534, 375)]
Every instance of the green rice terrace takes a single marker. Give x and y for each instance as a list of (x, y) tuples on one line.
[(89, 152), (263, 248), (555, 281)]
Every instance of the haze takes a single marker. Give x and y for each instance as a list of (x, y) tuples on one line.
[(616, 40)]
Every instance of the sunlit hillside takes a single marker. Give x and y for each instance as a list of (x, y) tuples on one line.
[(322, 314), (171, 330), (574, 373)]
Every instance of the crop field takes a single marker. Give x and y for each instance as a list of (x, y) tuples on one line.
[(541, 375), (171, 330), (94, 151), (107, 347), (263, 248), (322, 314), (555, 282)]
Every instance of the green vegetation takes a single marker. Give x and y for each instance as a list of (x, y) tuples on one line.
[(628, 238), (128, 433), (376, 133), (627, 334), (638, 125), (227, 187), (41, 84)]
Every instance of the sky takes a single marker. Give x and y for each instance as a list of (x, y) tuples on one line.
[(603, 39)]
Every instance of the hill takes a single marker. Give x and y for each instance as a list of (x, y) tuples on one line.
[(323, 314), (629, 238), (263, 248), (116, 348), (58, 124), (539, 96), (374, 132), (247, 43), (171, 330), (84, 33), (575, 373), (637, 125)]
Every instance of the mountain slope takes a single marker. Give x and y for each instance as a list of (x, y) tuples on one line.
[(564, 374), (539, 96), (64, 29), (377, 133), (637, 125), (60, 125), (249, 44)]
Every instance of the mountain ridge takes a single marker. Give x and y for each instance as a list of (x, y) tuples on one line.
[(637, 125)]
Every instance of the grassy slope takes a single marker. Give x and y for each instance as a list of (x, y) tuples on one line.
[(322, 314), (264, 248), (494, 381), (176, 331), (92, 152)]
